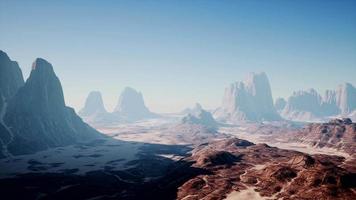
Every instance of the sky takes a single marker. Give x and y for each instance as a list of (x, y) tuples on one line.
[(181, 52)]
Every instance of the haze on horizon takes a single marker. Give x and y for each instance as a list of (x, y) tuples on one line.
[(181, 52)]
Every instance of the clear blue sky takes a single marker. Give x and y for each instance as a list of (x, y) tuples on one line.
[(181, 52)]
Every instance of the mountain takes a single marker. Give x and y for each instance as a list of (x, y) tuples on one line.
[(280, 103), (250, 100), (11, 80), (346, 98), (131, 106), (329, 106), (303, 106), (93, 105), (38, 118), (198, 126), (197, 108), (199, 116), (94, 111), (310, 106)]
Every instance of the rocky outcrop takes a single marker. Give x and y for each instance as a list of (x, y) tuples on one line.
[(339, 134), (131, 106), (38, 118), (93, 105), (346, 98), (199, 116), (280, 103), (197, 108), (303, 106), (310, 106), (262, 172), (198, 125), (94, 111), (250, 100)]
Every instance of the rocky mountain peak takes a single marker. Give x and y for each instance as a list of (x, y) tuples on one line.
[(131, 106), (249, 100), (43, 89), (201, 117), (11, 78), (93, 104)]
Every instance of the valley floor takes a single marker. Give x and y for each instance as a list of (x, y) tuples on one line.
[(136, 155)]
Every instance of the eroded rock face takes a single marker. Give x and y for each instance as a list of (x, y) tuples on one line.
[(337, 133), (250, 100), (271, 172), (38, 116)]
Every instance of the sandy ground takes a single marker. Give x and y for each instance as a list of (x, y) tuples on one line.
[(79, 158), (247, 194), (125, 144)]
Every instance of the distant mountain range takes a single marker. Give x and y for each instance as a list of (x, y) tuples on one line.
[(311, 106), (251, 100), (130, 107)]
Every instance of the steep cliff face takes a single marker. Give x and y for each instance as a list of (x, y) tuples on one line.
[(11, 80), (38, 118), (346, 98), (250, 100)]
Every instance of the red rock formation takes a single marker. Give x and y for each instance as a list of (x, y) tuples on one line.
[(236, 165)]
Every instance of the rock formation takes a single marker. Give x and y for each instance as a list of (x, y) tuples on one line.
[(11, 80), (303, 106), (310, 106), (37, 117), (93, 105), (94, 111), (346, 98), (199, 116), (339, 134), (131, 106), (279, 104), (197, 108), (250, 100), (236, 167)]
